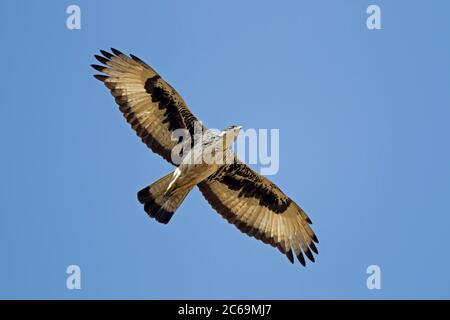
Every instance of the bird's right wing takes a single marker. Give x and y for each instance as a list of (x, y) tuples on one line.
[(150, 105), (260, 209)]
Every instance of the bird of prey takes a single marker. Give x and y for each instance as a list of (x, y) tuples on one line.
[(251, 202)]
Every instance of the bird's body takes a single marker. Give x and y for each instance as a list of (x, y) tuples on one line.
[(203, 159), (244, 198)]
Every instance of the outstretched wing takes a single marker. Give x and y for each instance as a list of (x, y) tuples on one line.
[(260, 209), (150, 105)]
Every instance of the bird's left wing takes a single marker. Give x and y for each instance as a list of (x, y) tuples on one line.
[(260, 209), (150, 105)]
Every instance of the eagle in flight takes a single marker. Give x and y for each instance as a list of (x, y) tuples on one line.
[(245, 198)]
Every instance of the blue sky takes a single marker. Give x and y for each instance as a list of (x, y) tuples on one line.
[(364, 131)]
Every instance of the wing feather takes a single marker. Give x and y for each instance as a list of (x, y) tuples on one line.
[(248, 200), (150, 105), (260, 209)]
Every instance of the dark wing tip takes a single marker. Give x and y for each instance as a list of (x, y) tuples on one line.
[(301, 259), (313, 248), (100, 77), (106, 54), (309, 255), (101, 59), (116, 52), (290, 256), (314, 238), (97, 67), (138, 60), (135, 58)]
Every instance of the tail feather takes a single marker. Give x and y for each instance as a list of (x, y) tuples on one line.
[(157, 203)]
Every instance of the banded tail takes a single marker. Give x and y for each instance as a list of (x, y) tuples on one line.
[(160, 204)]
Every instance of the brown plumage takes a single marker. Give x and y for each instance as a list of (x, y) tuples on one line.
[(243, 197)]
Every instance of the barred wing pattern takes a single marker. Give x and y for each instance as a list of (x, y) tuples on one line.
[(260, 209), (150, 105), (246, 199)]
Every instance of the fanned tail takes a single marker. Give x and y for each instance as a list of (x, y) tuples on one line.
[(158, 203)]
